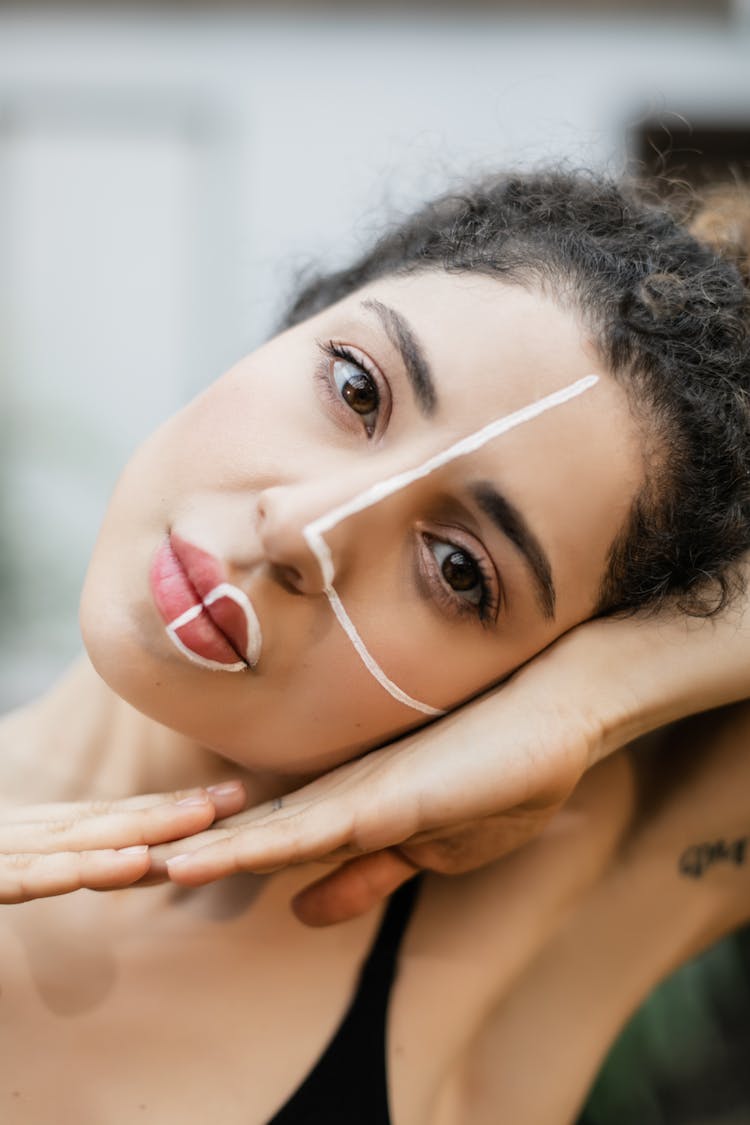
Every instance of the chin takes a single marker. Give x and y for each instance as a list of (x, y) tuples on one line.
[(200, 705)]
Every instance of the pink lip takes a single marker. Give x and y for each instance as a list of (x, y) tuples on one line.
[(181, 576)]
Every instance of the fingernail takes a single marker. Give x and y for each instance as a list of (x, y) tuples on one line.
[(136, 849), (196, 799), (174, 859), (224, 788)]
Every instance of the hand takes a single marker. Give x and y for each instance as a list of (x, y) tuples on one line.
[(488, 777), (451, 797), (52, 849)]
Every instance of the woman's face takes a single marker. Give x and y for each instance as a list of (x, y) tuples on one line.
[(451, 582)]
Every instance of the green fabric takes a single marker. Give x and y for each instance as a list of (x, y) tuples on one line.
[(684, 1057)]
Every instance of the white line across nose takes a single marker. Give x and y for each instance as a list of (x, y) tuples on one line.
[(315, 530)]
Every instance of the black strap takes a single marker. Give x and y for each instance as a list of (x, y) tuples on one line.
[(348, 1083)]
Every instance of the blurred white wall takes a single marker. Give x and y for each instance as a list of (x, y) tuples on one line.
[(162, 175)]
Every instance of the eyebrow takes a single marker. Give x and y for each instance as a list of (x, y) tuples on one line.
[(511, 523), (415, 362)]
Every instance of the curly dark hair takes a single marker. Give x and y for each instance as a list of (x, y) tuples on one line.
[(669, 316)]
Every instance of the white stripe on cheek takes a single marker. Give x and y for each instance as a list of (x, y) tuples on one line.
[(313, 532)]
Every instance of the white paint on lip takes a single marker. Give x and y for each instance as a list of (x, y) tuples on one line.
[(240, 598), (254, 633)]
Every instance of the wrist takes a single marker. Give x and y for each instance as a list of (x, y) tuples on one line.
[(625, 677)]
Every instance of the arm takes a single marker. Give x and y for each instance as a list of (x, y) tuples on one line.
[(681, 881), (488, 777)]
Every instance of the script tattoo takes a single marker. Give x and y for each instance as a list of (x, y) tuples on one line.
[(696, 860)]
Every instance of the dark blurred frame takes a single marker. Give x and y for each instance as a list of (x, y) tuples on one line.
[(700, 153)]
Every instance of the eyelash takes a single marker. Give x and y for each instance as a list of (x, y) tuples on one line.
[(331, 350), (486, 609)]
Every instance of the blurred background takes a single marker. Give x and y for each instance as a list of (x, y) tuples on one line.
[(166, 171)]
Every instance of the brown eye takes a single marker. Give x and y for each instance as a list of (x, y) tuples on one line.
[(356, 387), (460, 571)]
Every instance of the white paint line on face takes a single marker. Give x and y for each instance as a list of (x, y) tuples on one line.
[(369, 661), (313, 532), (254, 635), (382, 489)]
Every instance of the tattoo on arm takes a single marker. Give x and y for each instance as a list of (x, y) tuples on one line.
[(696, 860)]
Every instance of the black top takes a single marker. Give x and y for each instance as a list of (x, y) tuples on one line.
[(348, 1083), (676, 1063)]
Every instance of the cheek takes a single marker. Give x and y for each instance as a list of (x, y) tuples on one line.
[(436, 660), (326, 711), (244, 426), (254, 418), (444, 666), (338, 711)]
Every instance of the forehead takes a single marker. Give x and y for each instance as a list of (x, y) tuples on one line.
[(493, 348)]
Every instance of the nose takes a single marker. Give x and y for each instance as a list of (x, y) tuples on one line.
[(283, 513)]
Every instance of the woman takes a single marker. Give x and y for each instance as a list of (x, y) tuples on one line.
[(310, 560)]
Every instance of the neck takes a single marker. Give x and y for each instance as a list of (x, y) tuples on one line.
[(80, 741)]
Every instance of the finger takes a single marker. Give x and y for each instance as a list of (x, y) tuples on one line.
[(228, 798), (298, 835), (29, 876), (352, 889), (219, 852), (162, 854), (117, 828), (340, 815), (222, 863)]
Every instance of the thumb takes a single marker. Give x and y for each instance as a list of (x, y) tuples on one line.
[(352, 889)]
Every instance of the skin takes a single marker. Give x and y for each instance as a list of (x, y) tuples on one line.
[(82, 966), (511, 964), (633, 926), (287, 454)]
